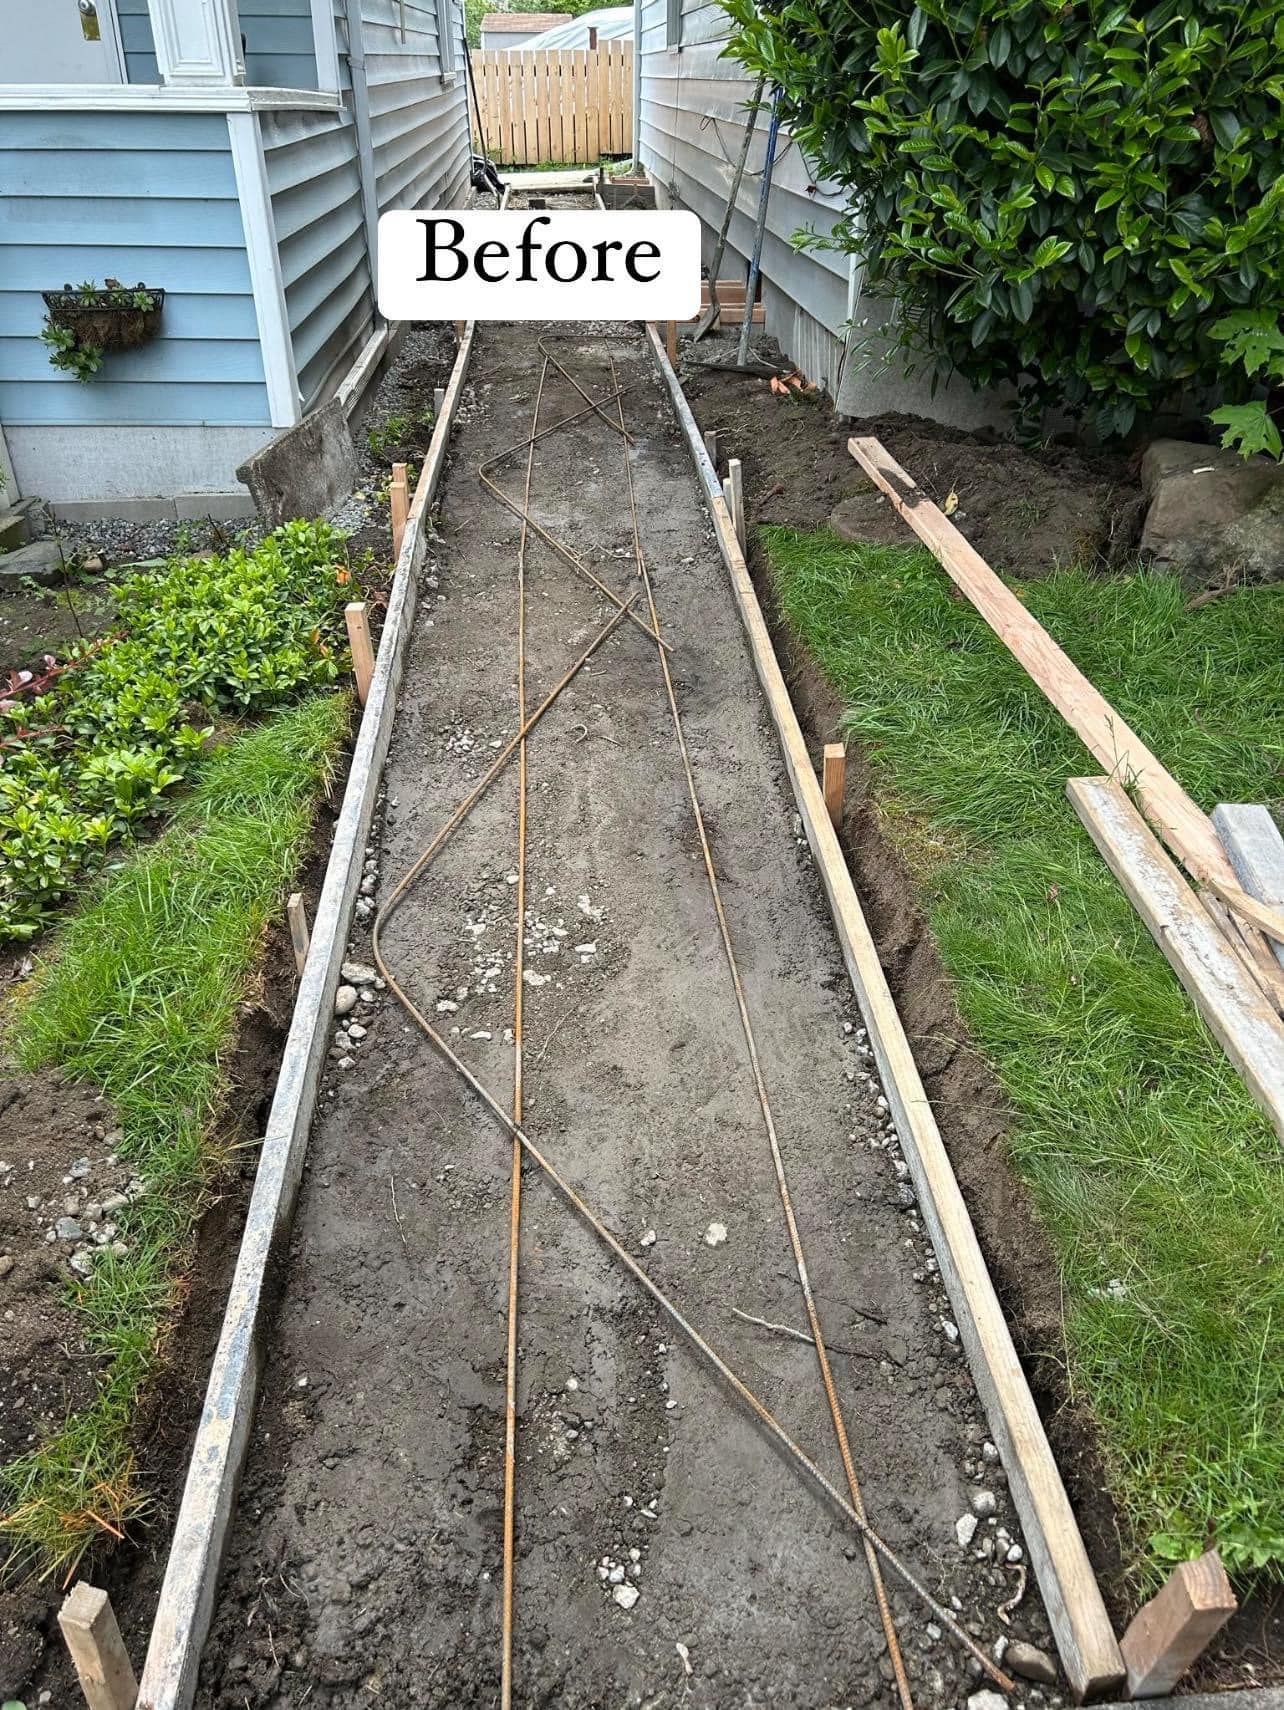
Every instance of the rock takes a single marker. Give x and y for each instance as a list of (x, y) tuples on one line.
[(951, 1330), (648, 1238), (356, 1031), (1215, 517), (1015, 1553), (347, 1062), (983, 1503), (965, 1529), (67, 1229), (626, 1595), (987, 1701), (79, 1170), (82, 1261), (715, 1235), (359, 973), (1030, 1662), (345, 1000), (989, 1452), (41, 561), (6, 1264)]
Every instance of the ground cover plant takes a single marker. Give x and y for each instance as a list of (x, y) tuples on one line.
[(1088, 197), (90, 749), (1160, 1181), (140, 997)]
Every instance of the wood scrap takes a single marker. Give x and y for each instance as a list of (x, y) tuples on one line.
[(1218, 980), (1184, 827)]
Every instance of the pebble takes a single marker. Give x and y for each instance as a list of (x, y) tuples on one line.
[(67, 1229), (82, 1261), (1030, 1662), (626, 1595), (989, 1452), (1015, 1553), (715, 1235), (983, 1503), (347, 1062), (6, 1264), (359, 973), (951, 1330), (356, 1031), (987, 1701), (965, 1529), (649, 1238), (345, 1000)]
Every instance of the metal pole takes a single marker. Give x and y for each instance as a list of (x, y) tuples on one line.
[(755, 260)]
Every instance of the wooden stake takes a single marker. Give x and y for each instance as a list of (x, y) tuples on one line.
[(399, 501), (737, 500), (671, 340), (97, 1649), (1171, 1631), (711, 445), (300, 937), (835, 781), (359, 641), (438, 399)]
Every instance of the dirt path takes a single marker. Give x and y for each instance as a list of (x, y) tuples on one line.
[(365, 1561)]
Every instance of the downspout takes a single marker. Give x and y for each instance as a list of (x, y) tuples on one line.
[(365, 142), (637, 87)]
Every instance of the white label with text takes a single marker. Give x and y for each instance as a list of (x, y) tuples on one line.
[(564, 264)]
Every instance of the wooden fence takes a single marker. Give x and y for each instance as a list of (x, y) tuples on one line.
[(562, 104)]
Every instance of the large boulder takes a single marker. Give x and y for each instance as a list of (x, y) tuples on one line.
[(1215, 518)]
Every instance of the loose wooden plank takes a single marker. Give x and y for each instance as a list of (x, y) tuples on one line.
[(1080, 1625), (1255, 850), (357, 618), (1184, 827), (1172, 1631), (1219, 982)]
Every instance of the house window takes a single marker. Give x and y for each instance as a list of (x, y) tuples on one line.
[(446, 36), (673, 23)]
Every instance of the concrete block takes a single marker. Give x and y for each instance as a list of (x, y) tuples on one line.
[(223, 507), (1214, 517), (41, 561), (304, 471), (127, 510)]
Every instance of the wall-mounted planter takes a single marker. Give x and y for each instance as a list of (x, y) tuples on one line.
[(110, 318)]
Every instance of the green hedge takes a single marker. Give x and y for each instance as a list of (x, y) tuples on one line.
[(1087, 195)]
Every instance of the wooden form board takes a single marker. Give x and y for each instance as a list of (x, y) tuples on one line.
[(1085, 1640), (186, 1600), (568, 105), (1184, 826), (1218, 981)]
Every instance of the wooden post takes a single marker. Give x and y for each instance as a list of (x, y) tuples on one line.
[(359, 641), (711, 446), (97, 1649), (399, 502), (671, 341), (1167, 1634), (736, 502), (438, 399), (834, 780), (300, 937)]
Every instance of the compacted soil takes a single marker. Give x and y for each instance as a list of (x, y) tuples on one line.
[(364, 1562)]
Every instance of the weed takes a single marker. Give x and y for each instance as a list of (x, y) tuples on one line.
[(1159, 1180)]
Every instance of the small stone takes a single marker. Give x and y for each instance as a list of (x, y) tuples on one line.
[(446, 1007), (67, 1229), (626, 1595), (79, 1169), (648, 1239), (615, 1576), (345, 1000), (1015, 1553), (965, 1529), (989, 1452), (347, 1062), (356, 1031), (983, 1503), (1030, 1662), (951, 1330), (715, 1235), (82, 1261), (359, 973), (987, 1701), (6, 1264)]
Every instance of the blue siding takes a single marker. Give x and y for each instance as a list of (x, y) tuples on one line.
[(418, 120), (139, 196), (279, 51), (315, 187)]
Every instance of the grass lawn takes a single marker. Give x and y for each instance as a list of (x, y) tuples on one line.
[(1161, 1183), (139, 995)]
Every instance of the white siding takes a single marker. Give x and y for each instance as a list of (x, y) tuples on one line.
[(418, 118)]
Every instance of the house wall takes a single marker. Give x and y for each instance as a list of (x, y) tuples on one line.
[(418, 119), (138, 196), (690, 130), (279, 51)]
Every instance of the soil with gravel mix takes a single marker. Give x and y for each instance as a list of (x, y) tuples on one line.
[(795, 472), (666, 1553)]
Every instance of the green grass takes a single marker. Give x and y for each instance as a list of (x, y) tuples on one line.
[(1160, 1182), (140, 996)]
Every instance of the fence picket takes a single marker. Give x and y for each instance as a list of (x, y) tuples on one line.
[(562, 104)]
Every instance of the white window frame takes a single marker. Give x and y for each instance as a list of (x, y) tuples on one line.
[(198, 42), (325, 42)]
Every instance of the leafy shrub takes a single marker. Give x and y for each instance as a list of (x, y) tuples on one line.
[(1072, 195), (90, 758)]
